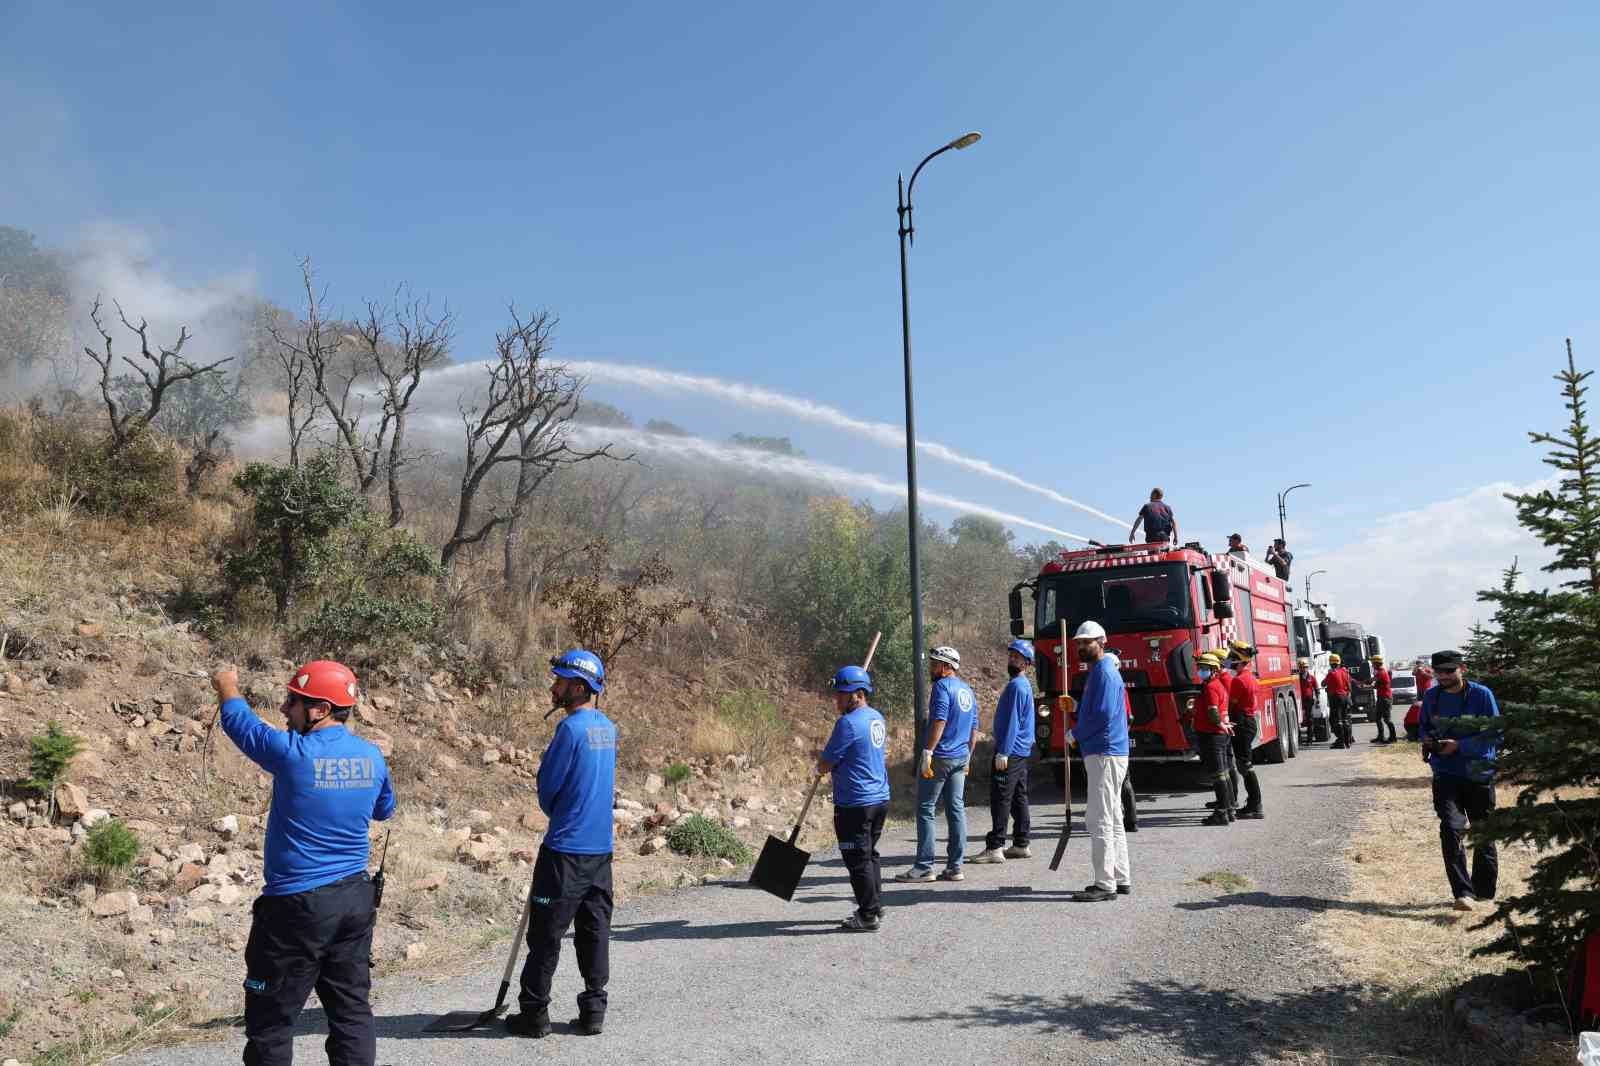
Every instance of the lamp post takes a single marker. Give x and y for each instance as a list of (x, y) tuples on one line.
[(1282, 514), (1309, 576), (907, 238)]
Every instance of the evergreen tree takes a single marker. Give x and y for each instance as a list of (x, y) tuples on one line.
[(1544, 653)]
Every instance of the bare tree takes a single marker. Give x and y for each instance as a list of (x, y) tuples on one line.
[(294, 358), (158, 372), (522, 418)]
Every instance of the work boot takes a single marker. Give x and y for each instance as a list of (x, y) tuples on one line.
[(861, 923), (1094, 894), (589, 1024), (1216, 818), (1019, 851), (1253, 813), (535, 1024), (989, 855), (1336, 745)]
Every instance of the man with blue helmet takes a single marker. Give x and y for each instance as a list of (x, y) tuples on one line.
[(942, 768), (1013, 745), (572, 876), (854, 755)]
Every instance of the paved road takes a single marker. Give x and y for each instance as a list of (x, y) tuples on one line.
[(1002, 967)]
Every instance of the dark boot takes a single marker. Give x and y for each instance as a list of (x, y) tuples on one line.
[(536, 1024), (1252, 807), (1222, 815), (589, 1024)]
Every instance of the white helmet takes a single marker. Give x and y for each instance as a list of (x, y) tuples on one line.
[(1090, 630), (946, 654)]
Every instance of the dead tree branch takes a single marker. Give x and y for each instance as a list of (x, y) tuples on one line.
[(158, 371)]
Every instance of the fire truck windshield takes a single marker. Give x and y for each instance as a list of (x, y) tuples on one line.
[(1124, 599)]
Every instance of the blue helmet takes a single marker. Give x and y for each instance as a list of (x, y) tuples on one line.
[(1022, 648), (852, 679), (583, 665)]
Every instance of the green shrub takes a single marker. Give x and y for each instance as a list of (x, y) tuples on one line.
[(49, 754), (110, 848), (757, 721), (138, 483), (698, 835)]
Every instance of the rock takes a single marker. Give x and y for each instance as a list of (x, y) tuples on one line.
[(188, 876), (88, 765), (204, 892), (366, 714), (739, 822), (84, 894), (227, 826), (201, 916), (479, 818), (381, 703), (94, 816), (430, 883), (653, 845), (163, 935), (381, 740), (187, 744), (490, 757), (114, 903), (191, 853), (710, 813), (71, 801), (157, 728), (653, 783), (665, 809), (141, 915), (750, 799), (446, 762), (133, 740), (88, 628), (415, 951), (228, 895), (534, 821), (726, 864), (481, 853), (18, 811)]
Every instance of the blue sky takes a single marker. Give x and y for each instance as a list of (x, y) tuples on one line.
[(1221, 250)]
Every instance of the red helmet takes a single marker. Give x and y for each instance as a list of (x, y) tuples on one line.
[(325, 680)]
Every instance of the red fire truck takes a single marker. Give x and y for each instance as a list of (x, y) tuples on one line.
[(1160, 606)]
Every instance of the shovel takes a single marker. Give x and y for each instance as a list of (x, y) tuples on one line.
[(462, 1021), (781, 865)]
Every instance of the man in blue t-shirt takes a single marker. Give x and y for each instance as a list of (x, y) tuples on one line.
[(855, 756), (1463, 774), (572, 874), (1013, 746), (1100, 730), (312, 926), (942, 767)]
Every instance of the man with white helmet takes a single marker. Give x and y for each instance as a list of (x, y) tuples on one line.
[(942, 767), (1100, 729), (1013, 745)]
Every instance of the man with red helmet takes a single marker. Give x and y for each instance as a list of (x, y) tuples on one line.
[(312, 926)]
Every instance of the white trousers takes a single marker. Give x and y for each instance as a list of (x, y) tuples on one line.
[(1108, 844)]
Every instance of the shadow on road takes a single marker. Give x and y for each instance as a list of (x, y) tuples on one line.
[(1421, 781), (680, 929), (1433, 913)]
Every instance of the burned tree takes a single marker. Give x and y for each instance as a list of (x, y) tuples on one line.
[(296, 356), (522, 418), (134, 403)]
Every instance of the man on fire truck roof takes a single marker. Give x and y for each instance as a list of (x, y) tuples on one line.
[(1160, 524)]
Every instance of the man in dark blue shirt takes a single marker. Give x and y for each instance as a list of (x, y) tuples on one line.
[(572, 875), (1463, 774), (855, 756), (312, 926), (1160, 526), (1013, 745)]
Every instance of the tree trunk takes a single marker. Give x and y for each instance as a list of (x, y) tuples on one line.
[(283, 595), (396, 510)]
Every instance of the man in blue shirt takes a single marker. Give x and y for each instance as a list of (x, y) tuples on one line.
[(1013, 745), (942, 767), (572, 875), (855, 756), (1463, 774), (312, 926), (1101, 733)]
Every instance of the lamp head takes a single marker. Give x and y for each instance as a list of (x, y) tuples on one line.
[(967, 140)]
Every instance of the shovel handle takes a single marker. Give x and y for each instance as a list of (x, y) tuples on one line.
[(516, 943), (817, 780)]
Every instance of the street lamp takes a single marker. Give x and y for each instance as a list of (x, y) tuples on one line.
[(908, 237), (1282, 514), (1309, 576)]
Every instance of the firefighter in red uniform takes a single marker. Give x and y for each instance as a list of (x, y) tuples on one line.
[(1211, 725), (1308, 699), (1383, 686), (1244, 703), (1414, 715), (1338, 685), (1226, 677)]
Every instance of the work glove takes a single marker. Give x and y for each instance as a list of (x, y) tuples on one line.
[(1001, 762), (926, 767)]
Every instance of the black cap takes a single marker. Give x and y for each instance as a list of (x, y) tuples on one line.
[(1448, 657)]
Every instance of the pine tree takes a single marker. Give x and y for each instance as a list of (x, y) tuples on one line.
[(1544, 652)]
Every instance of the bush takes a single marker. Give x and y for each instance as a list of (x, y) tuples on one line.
[(110, 848), (138, 483), (757, 722), (48, 757), (698, 835), (676, 773)]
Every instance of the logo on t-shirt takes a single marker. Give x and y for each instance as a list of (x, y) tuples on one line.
[(964, 699), (877, 733)]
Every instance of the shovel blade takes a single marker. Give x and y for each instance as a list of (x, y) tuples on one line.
[(463, 1021), (779, 868)]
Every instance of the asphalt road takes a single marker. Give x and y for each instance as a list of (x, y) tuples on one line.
[(1002, 967)]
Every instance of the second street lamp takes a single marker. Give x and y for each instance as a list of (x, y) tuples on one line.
[(1282, 512), (907, 238), (1309, 576)]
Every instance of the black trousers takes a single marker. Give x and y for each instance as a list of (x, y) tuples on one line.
[(1243, 743), (858, 829), (319, 939), (568, 887), (1130, 812), (1008, 801), (1459, 802), (1339, 711), (1381, 714), (1215, 757)]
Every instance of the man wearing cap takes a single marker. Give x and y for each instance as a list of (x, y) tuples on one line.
[(855, 756), (1463, 774), (572, 873), (1100, 730), (1383, 688), (1337, 683), (1160, 524), (942, 767), (1237, 546), (1013, 745), (312, 925), (1244, 704), (1211, 726)]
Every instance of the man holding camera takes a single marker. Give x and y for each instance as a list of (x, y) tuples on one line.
[(1463, 761)]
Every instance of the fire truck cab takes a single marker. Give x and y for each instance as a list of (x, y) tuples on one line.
[(1160, 606)]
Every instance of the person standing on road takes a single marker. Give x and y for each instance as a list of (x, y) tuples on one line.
[(1244, 705), (1160, 525), (1280, 558), (572, 874), (1013, 745), (854, 755), (1382, 711), (942, 768), (312, 925), (1307, 682), (1101, 732), (1211, 725), (1337, 684), (1463, 763)]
